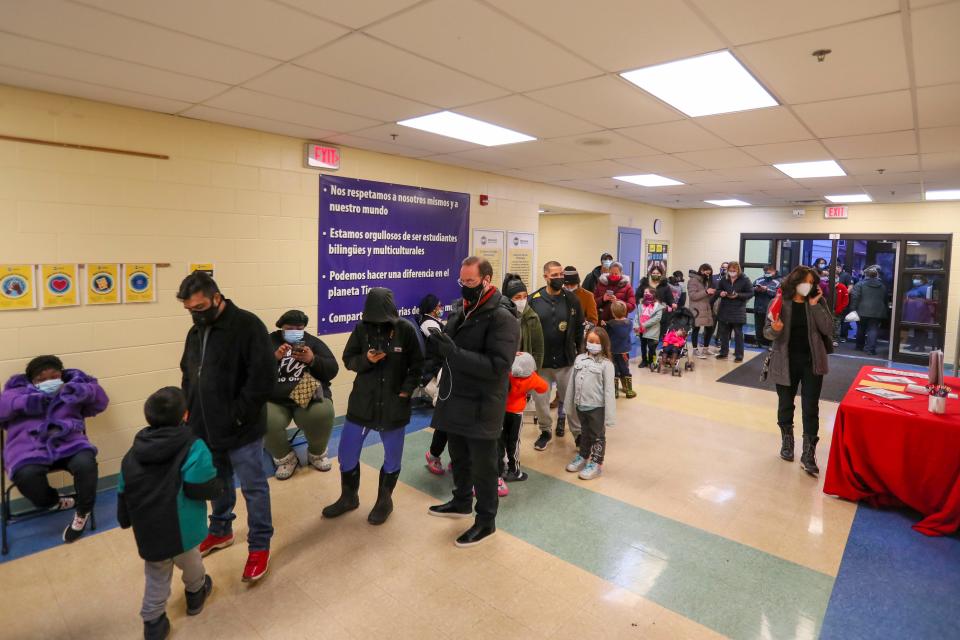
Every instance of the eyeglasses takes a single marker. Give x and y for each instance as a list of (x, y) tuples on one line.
[(472, 283)]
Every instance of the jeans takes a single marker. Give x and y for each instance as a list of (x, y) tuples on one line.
[(247, 462), (542, 400), (509, 449), (810, 384), (351, 444), (724, 334), (621, 364), (316, 421), (158, 575), (593, 441), (475, 469), (34, 485), (867, 330), (707, 334)]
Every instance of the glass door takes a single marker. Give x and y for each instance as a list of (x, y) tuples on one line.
[(754, 256), (922, 301)]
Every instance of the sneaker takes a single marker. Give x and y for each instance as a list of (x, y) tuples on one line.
[(591, 471), (156, 629), (475, 535), (434, 465), (450, 510), (286, 466), (257, 564), (542, 441), (65, 503), (576, 464), (836, 344), (515, 476), (211, 543), (73, 532), (502, 489), (701, 353), (740, 359), (712, 351), (319, 462), (721, 356), (196, 599)]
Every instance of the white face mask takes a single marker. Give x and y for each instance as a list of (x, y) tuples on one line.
[(804, 289), (521, 304), (593, 348)]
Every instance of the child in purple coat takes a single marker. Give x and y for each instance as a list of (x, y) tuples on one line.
[(43, 413)]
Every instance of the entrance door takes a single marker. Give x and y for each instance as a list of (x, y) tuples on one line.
[(921, 304), (630, 253), (855, 256)]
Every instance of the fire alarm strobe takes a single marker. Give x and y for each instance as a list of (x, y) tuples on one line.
[(484, 199)]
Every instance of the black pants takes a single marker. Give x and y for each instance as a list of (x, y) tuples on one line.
[(648, 350), (621, 364), (810, 384), (439, 443), (475, 469), (867, 331), (760, 319), (724, 333), (509, 449), (707, 334), (33, 483), (593, 434)]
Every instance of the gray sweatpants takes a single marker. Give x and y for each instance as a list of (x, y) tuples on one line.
[(542, 400), (158, 574)]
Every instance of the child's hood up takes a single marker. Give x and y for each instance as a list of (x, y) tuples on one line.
[(523, 365)]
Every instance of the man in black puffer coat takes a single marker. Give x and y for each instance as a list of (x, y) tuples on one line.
[(478, 345)]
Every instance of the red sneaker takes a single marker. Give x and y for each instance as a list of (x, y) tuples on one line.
[(257, 563), (211, 543)]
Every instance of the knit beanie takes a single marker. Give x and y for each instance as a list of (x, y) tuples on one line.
[(571, 275), (294, 317), (512, 285)]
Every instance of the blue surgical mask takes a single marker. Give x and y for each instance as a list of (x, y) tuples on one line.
[(917, 283), (292, 336), (593, 348), (606, 263), (51, 386)]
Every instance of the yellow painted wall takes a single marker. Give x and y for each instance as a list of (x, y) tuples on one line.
[(235, 197)]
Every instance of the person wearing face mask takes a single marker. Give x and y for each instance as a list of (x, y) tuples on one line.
[(305, 368), (43, 412), (593, 278), (869, 300), (229, 372), (658, 282), (615, 286), (700, 291), (765, 289), (800, 333), (734, 291), (479, 345), (531, 332), (571, 282)]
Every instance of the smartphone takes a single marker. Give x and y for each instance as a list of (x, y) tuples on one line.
[(299, 347), (814, 292)]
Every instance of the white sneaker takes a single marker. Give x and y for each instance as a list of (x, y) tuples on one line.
[(591, 471), (701, 353), (713, 351), (286, 466), (321, 462), (576, 464)]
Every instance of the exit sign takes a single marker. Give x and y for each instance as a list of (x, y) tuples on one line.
[(320, 156), (835, 213)]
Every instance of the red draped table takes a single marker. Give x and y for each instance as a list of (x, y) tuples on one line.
[(888, 458)]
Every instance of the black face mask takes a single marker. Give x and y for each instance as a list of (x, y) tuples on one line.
[(555, 283), (206, 317), (471, 294)]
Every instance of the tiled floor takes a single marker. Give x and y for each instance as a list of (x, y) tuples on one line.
[(695, 530)]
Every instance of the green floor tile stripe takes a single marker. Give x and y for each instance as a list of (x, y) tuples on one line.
[(727, 586)]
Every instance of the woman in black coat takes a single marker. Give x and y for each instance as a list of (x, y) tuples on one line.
[(384, 351), (733, 291)]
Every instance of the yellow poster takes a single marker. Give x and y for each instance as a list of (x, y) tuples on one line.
[(488, 244), (17, 287), (103, 283), (520, 256), (206, 267), (139, 283), (60, 288)]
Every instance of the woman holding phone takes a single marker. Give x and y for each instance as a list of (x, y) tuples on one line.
[(800, 325)]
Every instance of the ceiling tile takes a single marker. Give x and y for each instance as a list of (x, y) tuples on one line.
[(943, 175), (600, 169), (757, 126), (889, 178), (663, 164), (259, 26), (826, 185), (53, 60), (940, 140), (699, 177), (671, 137), (718, 158), (804, 151), (604, 145), (868, 57), (936, 47), (906, 192), (469, 164), (527, 116), (520, 155), (88, 29), (891, 164), (618, 35), (551, 173), (854, 116), (380, 146), (303, 85), (477, 40), (608, 102), (874, 145), (352, 14), (750, 173), (258, 123), (940, 161), (253, 103), (745, 21), (939, 106), (406, 136)]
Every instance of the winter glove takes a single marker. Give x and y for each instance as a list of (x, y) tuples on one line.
[(445, 344)]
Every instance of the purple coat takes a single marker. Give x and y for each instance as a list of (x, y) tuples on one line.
[(42, 429)]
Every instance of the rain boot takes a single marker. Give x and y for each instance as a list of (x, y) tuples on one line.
[(384, 506), (809, 456), (349, 494), (628, 387), (616, 387), (786, 443)]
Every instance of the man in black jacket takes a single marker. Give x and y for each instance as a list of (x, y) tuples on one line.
[(228, 374), (590, 282), (478, 345)]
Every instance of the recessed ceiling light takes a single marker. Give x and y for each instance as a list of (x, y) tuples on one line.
[(541, 210), (818, 169), (454, 125), (704, 85), (853, 197), (648, 180), (946, 194), (728, 203)]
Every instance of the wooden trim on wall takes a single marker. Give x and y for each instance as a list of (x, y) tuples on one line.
[(85, 147)]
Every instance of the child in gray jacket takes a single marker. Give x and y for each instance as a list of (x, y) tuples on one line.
[(591, 391)]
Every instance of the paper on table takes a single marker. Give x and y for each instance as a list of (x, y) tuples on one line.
[(882, 385), (912, 374), (884, 393)]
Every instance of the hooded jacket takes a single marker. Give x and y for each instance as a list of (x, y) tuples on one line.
[(869, 298), (523, 381), (290, 371), (700, 302), (473, 386), (375, 401), (621, 290), (165, 478), (545, 305), (229, 372), (42, 428)]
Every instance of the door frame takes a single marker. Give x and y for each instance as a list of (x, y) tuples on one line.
[(632, 231)]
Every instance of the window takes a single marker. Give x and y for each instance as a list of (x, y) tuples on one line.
[(926, 254)]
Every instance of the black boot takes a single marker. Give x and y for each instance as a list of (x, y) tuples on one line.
[(349, 494), (157, 629), (809, 456), (384, 506), (786, 443), (561, 426)]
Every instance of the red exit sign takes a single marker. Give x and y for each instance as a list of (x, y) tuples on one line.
[(320, 156), (834, 213)]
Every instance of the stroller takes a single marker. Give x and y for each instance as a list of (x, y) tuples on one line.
[(682, 319)]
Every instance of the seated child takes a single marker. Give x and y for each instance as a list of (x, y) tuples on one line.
[(165, 479), (523, 381), (672, 345), (619, 330)]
